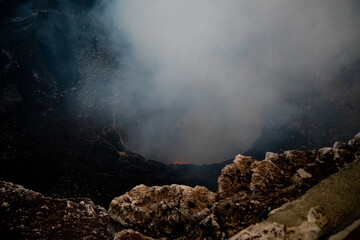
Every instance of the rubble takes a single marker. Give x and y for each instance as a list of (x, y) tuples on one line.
[(26, 214), (247, 191)]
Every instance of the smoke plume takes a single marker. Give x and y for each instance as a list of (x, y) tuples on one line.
[(196, 77)]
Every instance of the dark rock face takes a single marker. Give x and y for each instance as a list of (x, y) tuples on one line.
[(59, 138), (58, 133), (248, 190), (26, 214), (323, 115)]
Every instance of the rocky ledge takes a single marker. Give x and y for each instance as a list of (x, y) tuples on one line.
[(247, 191), (321, 212), (26, 214), (245, 206)]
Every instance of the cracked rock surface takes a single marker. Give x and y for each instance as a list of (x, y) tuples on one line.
[(308, 230), (177, 207), (247, 191), (323, 211), (26, 214)]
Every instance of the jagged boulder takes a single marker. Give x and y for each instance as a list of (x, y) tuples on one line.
[(247, 191), (129, 234), (355, 143), (325, 209), (165, 211), (26, 214), (250, 189), (235, 178), (265, 177)]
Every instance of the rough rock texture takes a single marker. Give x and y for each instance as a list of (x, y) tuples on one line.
[(247, 191), (129, 234), (336, 199), (26, 214), (273, 182), (235, 177), (308, 230), (161, 210)]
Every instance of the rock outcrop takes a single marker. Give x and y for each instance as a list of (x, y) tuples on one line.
[(322, 211), (247, 191), (242, 208), (177, 207), (308, 230), (129, 234), (26, 214)]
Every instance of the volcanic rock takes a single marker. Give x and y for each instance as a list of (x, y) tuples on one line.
[(308, 230), (161, 210), (248, 190), (355, 142), (129, 234), (303, 174), (235, 177), (336, 201), (272, 182), (26, 214)]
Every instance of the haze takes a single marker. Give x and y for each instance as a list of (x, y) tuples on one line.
[(196, 77)]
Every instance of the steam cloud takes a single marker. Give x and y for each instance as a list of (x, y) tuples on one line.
[(197, 76)]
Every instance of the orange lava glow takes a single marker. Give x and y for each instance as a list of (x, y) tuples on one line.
[(181, 162)]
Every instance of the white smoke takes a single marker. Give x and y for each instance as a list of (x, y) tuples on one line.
[(197, 76)]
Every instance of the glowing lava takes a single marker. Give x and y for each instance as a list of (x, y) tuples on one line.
[(181, 162)]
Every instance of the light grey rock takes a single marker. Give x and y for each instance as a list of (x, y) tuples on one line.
[(162, 210)]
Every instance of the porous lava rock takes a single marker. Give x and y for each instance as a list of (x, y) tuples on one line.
[(235, 177), (167, 211), (270, 183), (26, 214), (323, 211), (129, 234), (247, 191), (307, 230)]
